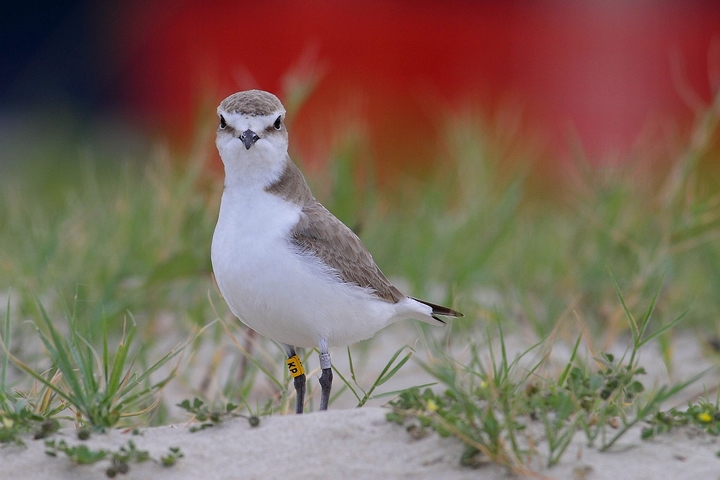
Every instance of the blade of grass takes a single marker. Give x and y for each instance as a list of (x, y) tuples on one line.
[(387, 372), (564, 374), (398, 392), (352, 372), (385, 375), (113, 381), (58, 350), (633, 324), (346, 383), (664, 328)]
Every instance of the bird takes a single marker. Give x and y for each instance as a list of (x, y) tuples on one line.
[(287, 267)]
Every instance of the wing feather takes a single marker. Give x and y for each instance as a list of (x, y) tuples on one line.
[(322, 234)]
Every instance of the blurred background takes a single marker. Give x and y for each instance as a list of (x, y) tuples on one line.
[(592, 75)]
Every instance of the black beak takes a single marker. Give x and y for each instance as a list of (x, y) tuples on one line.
[(249, 138)]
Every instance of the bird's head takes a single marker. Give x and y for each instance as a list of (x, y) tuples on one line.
[(251, 133)]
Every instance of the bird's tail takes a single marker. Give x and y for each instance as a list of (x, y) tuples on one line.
[(439, 310)]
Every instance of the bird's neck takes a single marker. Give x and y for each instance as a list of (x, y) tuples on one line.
[(291, 185), (252, 171)]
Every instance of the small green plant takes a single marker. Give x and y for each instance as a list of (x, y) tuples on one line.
[(120, 460), (100, 388), (622, 386), (210, 417), (171, 458), (704, 415), (495, 410), (13, 424), (79, 454), (19, 414)]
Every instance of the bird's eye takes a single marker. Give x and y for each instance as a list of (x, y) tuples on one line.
[(278, 123), (223, 123)]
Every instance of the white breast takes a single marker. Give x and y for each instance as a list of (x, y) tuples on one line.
[(285, 295)]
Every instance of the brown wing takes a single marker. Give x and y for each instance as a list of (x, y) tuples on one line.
[(323, 235)]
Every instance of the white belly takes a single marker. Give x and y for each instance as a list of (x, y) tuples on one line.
[(282, 294)]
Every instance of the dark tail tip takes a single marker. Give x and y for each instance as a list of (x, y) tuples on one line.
[(440, 310)]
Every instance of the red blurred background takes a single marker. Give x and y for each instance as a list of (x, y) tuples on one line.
[(596, 70), (603, 73)]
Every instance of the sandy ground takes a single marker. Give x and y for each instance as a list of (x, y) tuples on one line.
[(355, 443), (346, 442)]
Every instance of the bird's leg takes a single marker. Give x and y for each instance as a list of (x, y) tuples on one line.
[(297, 371), (326, 377)]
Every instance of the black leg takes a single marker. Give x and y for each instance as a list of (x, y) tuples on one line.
[(325, 385), (297, 371), (325, 380), (300, 392)]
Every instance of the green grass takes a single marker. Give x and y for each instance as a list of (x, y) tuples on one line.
[(128, 241), (119, 461), (492, 405), (99, 387)]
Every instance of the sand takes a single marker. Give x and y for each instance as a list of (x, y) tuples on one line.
[(354, 443), (360, 443)]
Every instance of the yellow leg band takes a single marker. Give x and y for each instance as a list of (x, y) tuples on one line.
[(295, 366)]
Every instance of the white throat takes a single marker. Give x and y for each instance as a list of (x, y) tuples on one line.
[(256, 167)]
